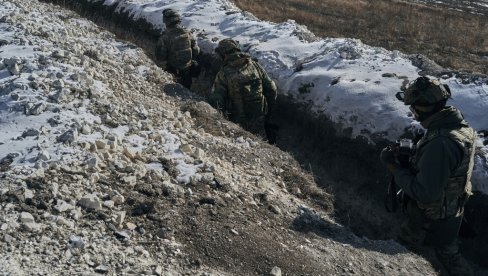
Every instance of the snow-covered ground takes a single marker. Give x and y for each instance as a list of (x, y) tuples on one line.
[(47, 96), (352, 83), (474, 6)]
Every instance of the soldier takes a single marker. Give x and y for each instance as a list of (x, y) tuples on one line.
[(244, 91), (176, 48), (437, 184)]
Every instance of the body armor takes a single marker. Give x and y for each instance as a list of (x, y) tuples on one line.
[(458, 188)]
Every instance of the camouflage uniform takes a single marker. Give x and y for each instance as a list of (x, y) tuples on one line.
[(242, 89), (176, 48), (438, 184)]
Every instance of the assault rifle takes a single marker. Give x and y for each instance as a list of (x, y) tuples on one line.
[(404, 150)]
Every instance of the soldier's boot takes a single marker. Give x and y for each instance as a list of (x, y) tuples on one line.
[(411, 236), (454, 263)]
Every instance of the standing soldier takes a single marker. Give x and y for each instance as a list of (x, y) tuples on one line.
[(244, 91), (437, 184), (176, 48)]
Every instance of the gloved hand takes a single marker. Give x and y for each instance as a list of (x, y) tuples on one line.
[(388, 158)]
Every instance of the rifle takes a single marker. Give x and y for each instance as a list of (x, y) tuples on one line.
[(393, 196), (404, 151)]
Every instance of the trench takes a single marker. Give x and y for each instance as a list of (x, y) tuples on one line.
[(349, 169)]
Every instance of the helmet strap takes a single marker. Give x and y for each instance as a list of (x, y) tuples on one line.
[(423, 115)]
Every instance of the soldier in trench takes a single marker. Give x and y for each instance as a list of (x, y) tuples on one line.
[(436, 184), (177, 49), (244, 91)]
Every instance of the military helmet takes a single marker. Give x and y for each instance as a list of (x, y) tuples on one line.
[(424, 91), (170, 17), (227, 46)]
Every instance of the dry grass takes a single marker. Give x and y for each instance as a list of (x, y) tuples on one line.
[(452, 39)]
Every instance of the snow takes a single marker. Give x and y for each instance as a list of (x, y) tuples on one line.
[(351, 83), (40, 66)]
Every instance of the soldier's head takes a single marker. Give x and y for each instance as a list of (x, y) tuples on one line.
[(227, 46), (171, 17), (425, 97)]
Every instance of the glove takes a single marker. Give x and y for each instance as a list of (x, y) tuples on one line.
[(388, 158)]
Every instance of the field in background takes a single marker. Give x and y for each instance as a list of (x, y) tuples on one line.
[(457, 40)]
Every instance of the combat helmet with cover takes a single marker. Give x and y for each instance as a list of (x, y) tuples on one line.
[(227, 46), (424, 92), (171, 17)]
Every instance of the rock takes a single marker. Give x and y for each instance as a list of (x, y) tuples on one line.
[(15, 69), (274, 209), (158, 270), (119, 217), (186, 148), (94, 177), (112, 144), (76, 214), (141, 230), (90, 202), (67, 137), (28, 194), (101, 269), (130, 180), (109, 204), (131, 226), (35, 109), (86, 129), (122, 235), (388, 75), (14, 96), (107, 156), (30, 132), (25, 217), (276, 271), (75, 77), (92, 162), (63, 221), (76, 242), (198, 154), (63, 206), (32, 226), (58, 96), (129, 153), (100, 144), (58, 54), (8, 239), (58, 84), (43, 156), (118, 199)]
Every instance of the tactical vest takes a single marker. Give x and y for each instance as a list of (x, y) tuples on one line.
[(458, 188), (179, 51), (247, 101)]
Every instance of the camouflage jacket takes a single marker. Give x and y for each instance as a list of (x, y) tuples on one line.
[(440, 179), (176, 48), (243, 90)]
